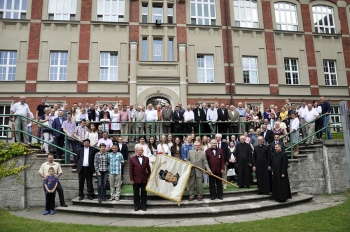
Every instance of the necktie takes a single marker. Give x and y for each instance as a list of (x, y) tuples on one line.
[(219, 145)]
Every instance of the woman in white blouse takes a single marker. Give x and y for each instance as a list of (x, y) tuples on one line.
[(170, 140), (294, 125), (163, 146), (92, 135)]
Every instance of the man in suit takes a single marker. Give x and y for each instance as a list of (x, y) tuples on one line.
[(277, 140), (91, 113), (166, 116), (177, 118), (222, 117), (139, 118), (216, 161), (206, 128), (199, 117), (226, 153), (233, 117), (86, 169), (197, 158), (59, 138), (267, 134), (139, 173), (103, 112), (123, 149)]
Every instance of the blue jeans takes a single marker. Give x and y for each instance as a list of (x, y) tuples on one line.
[(102, 184), (69, 143), (328, 131), (30, 132)]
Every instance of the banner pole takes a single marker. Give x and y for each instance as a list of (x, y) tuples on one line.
[(203, 170)]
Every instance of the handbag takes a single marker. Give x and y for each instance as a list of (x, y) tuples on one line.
[(231, 172)]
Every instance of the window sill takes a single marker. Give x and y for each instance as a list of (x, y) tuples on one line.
[(289, 32), (247, 29), (108, 23), (12, 81), (161, 25), (60, 22), (326, 35), (203, 26), (15, 20), (159, 62)]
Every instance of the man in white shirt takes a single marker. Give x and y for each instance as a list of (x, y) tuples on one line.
[(21, 108), (212, 117), (132, 128), (188, 119), (309, 115), (301, 117), (150, 116)]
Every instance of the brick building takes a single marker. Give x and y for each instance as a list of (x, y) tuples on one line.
[(188, 51)]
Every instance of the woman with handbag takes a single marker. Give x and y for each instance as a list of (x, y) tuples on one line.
[(231, 173)]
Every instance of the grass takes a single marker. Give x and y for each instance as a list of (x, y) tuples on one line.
[(331, 219)]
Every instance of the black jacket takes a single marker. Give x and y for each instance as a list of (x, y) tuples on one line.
[(80, 154)]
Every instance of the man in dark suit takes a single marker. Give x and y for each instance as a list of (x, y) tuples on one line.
[(59, 138), (199, 117), (91, 113), (267, 134), (139, 171), (222, 117), (123, 149), (226, 152), (178, 118), (103, 112), (86, 169), (216, 161), (277, 140)]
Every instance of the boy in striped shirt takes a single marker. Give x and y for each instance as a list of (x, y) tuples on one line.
[(115, 162)]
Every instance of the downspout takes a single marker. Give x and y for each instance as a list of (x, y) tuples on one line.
[(227, 7)]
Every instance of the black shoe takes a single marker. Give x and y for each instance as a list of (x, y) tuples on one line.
[(137, 208), (241, 187), (100, 200), (213, 198), (143, 207), (81, 198), (64, 205), (90, 197), (104, 199), (220, 197), (306, 144)]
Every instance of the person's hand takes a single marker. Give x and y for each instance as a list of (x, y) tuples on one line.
[(45, 177), (54, 137), (57, 176), (222, 171), (210, 173), (282, 175), (250, 165), (269, 168), (226, 163), (99, 174), (254, 168), (132, 182)]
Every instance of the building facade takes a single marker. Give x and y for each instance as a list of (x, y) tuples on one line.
[(188, 51)]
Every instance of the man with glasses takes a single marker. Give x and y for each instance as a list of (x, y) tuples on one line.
[(21, 108)]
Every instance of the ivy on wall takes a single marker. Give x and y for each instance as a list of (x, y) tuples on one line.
[(12, 151)]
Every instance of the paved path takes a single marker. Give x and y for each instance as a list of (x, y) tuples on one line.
[(319, 202)]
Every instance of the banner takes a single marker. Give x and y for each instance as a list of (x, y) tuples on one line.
[(169, 177)]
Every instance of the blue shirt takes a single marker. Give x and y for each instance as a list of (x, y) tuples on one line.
[(185, 149), (115, 161), (241, 111), (326, 108), (50, 182)]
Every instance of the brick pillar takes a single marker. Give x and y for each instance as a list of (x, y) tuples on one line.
[(345, 40), (270, 48), (84, 46), (33, 46)]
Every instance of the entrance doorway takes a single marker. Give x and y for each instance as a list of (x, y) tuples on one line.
[(157, 101)]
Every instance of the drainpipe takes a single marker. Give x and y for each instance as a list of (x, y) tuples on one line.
[(227, 7)]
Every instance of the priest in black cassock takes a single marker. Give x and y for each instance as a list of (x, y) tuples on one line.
[(243, 155), (280, 181), (261, 166)]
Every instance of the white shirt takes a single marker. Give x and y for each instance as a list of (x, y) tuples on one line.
[(86, 157), (20, 109), (309, 115), (212, 115), (301, 110), (140, 159), (319, 109), (92, 136), (150, 115), (32, 117), (164, 148), (188, 115), (294, 124)]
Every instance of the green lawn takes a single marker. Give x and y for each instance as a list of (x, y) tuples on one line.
[(332, 219)]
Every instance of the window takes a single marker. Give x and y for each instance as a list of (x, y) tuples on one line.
[(335, 119), (4, 120), (330, 72), (205, 68), (171, 49), (108, 66), (8, 60), (250, 70), (58, 66), (62, 9), (144, 49), (323, 19), (144, 12), (13, 9), (286, 16), (246, 13), (291, 71), (203, 12), (110, 10), (170, 13), (157, 50), (157, 13)]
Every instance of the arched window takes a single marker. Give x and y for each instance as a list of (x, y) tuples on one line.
[(323, 19), (286, 16), (246, 13)]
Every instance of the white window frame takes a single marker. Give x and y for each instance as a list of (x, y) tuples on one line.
[(240, 8), (335, 119), (9, 66), (158, 50), (208, 66), (21, 11), (286, 16), (144, 12), (198, 15), (291, 72), (319, 13), (328, 74), (55, 13), (105, 11), (109, 67), (250, 69), (3, 105), (59, 66), (170, 14), (156, 16)]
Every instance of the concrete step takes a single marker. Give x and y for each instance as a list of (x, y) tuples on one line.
[(203, 209)]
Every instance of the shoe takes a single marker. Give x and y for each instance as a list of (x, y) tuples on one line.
[(225, 187), (306, 144), (100, 200), (104, 199), (190, 199), (213, 198), (90, 197), (220, 197), (111, 199), (137, 208), (117, 199), (143, 207), (52, 212), (200, 198), (81, 198), (46, 212), (312, 143), (64, 205)]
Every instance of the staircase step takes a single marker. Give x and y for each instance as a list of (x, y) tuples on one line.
[(205, 209)]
